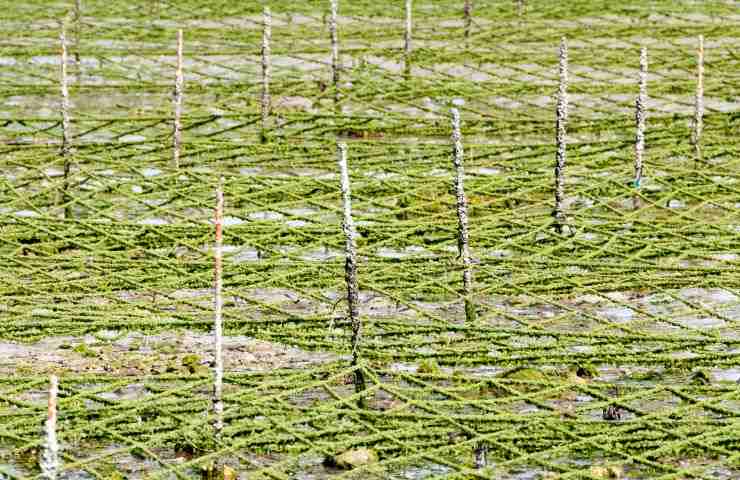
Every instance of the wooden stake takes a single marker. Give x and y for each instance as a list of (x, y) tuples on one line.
[(640, 110), (49, 462), (78, 27), (179, 86), (462, 216), (334, 51), (561, 123), (468, 13), (350, 266), (218, 406), (66, 124), (698, 123), (266, 37), (407, 41)]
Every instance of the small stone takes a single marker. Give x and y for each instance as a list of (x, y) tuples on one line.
[(612, 471), (230, 473), (352, 459), (615, 471)]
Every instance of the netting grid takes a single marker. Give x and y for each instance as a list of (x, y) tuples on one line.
[(529, 272)]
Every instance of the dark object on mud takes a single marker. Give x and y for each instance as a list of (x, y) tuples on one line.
[(213, 472), (587, 371), (611, 413), (479, 455), (701, 377), (455, 437)]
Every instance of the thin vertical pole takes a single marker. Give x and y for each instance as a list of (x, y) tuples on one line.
[(218, 406), (462, 215), (350, 266), (561, 123), (407, 41), (50, 464), (78, 27), (66, 124), (179, 85), (334, 51), (520, 7), (468, 13), (698, 123), (640, 111), (266, 37)]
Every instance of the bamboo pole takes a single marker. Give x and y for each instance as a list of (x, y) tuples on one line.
[(179, 86), (218, 406), (462, 216), (350, 266)]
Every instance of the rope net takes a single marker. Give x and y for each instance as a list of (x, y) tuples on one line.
[(603, 350)]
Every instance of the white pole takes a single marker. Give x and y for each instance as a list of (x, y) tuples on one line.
[(50, 464), (561, 123), (266, 37), (699, 100), (218, 406), (350, 266), (640, 113), (179, 85), (334, 50), (66, 123), (462, 215)]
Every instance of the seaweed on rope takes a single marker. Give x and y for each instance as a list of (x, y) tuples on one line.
[(637, 311)]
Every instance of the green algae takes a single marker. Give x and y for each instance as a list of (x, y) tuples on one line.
[(136, 255)]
